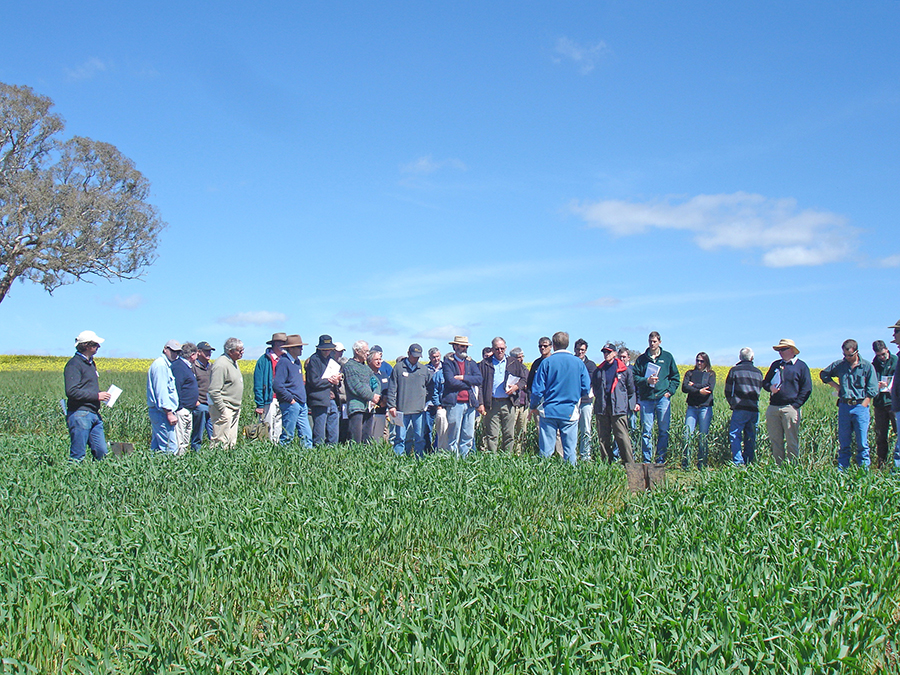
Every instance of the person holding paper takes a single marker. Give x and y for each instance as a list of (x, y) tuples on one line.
[(885, 365), (856, 387), (323, 376), (363, 394), (657, 379), (895, 397), (789, 383), (407, 396), (188, 395), (83, 399), (502, 377), (290, 393)]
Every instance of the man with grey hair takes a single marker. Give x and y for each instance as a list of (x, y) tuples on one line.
[(435, 414), (226, 390), (520, 403), (742, 386), (188, 395), (162, 400), (503, 378)]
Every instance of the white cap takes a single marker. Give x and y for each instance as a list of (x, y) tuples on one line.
[(88, 336), (174, 345), (338, 346)]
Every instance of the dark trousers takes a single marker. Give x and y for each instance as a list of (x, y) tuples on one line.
[(885, 422), (360, 426)]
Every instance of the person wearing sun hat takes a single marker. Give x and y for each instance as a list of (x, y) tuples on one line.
[(263, 393), (83, 399), (789, 384), (322, 393), (462, 389)]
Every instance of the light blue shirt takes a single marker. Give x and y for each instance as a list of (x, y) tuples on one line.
[(161, 392), (499, 377)]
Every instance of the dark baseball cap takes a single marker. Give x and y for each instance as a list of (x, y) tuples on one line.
[(415, 349), (205, 347)]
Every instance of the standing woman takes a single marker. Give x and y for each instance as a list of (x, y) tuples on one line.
[(698, 384)]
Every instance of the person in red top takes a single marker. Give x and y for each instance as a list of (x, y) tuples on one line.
[(614, 399), (462, 396)]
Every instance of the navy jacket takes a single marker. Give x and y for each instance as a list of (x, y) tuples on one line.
[(288, 381), (185, 384), (796, 383), (471, 381), (318, 391)]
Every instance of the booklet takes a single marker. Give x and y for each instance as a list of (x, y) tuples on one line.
[(511, 380), (776, 380), (333, 368), (114, 393), (652, 370), (885, 383), (396, 418)]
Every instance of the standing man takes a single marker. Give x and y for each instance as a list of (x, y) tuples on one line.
[(226, 390), (201, 422), (856, 387), (188, 394), (436, 415), (408, 394), (657, 379), (559, 385), (520, 402), (462, 385), (885, 365), (895, 398), (587, 403), (789, 383), (290, 393), (83, 399), (162, 400), (544, 350), (322, 384), (615, 396), (499, 395), (742, 385), (263, 394), (363, 393)]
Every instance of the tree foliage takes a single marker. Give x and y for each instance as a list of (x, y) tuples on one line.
[(69, 209)]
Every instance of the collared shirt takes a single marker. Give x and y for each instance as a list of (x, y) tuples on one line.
[(856, 382), (161, 392), (499, 377)]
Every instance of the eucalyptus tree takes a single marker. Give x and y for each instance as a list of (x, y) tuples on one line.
[(69, 209)]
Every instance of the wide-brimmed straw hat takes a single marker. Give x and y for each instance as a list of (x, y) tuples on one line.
[(277, 337), (461, 340), (896, 325), (783, 342), (293, 341)]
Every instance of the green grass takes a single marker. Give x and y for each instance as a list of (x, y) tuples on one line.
[(346, 559)]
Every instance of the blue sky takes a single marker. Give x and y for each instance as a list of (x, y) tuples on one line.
[(724, 174)]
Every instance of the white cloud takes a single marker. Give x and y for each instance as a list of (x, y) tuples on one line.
[(427, 165), (88, 69), (605, 301), (258, 318), (890, 261), (585, 56), (786, 235), (377, 325), (127, 302)]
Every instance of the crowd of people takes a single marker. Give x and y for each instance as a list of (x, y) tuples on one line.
[(426, 406)]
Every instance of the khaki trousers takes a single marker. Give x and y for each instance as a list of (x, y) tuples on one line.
[(501, 418), (783, 425), (609, 426), (184, 424), (225, 425)]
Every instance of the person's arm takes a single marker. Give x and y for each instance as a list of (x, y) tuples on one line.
[(729, 388), (279, 382), (687, 386), (804, 388), (631, 389), (871, 384), (258, 376), (392, 389), (674, 377), (216, 384)]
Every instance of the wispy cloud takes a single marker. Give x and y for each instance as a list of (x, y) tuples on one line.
[(890, 261), (786, 235), (90, 68), (585, 57), (258, 318), (606, 301), (359, 322), (427, 165), (126, 302), (447, 332)]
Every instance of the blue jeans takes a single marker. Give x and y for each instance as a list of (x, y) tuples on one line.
[(460, 429), (85, 429), (201, 423), (696, 420), (743, 425), (584, 431), (295, 424), (853, 420), (896, 468), (412, 436), (326, 423), (659, 410), (568, 434), (162, 434)]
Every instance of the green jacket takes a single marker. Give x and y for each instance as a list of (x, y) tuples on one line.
[(884, 369), (669, 377), (358, 378)]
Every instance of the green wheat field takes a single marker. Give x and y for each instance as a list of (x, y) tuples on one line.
[(347, 559)]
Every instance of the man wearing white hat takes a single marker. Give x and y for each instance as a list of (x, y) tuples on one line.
[(162, 400), (83, 398), (789, 383), (462, 396)]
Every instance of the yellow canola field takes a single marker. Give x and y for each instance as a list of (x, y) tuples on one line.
[(58, 363)]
